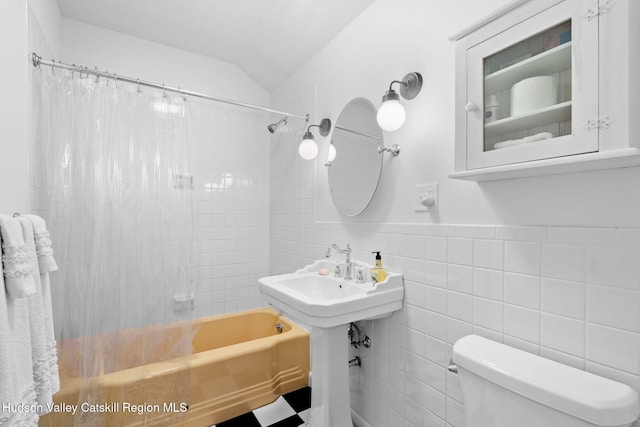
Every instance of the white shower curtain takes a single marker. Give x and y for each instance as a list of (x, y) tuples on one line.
[(117, 197)]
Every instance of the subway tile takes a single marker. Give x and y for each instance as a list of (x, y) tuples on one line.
[(414, 342), (582, 235), (435, 299), (435, 274), (414, 246), (435, 325), (522, 234), (414, 293), (413, 413), (476, 231), (454, 389), (488, 254), (455, 414), (631, 380), (489, 334), (460, 251), (564, 298), (435, 350), (566, 262), (488, 283), (487, 314), (460, 278), (414, 270), (522, 257), (563, 334), (628, 237), (446, 230), (522, 323), (523, 345), (457, 329), (614, 348), (618, 267), (460, 306), (522, 290), (614, 307), (436, 248), (564, 358)]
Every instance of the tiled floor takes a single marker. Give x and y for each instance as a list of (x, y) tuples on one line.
[(290, 410)]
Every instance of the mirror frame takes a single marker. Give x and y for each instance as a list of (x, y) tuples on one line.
[(364, 135)]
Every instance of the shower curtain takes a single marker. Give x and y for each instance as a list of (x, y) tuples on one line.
[(114, 161)]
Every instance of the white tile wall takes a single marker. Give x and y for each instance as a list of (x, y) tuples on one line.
[(231, 198), (568, 294)]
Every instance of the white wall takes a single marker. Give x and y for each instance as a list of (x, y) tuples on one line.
[(385, 43), (25, 26), (546, 264), (13, 112)]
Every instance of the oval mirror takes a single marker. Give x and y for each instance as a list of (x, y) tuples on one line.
[(355, 171)]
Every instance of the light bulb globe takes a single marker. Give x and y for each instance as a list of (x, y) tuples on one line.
[(308, 149), (391, 115)]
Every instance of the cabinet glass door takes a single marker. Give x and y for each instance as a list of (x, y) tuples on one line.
[(532, 88)]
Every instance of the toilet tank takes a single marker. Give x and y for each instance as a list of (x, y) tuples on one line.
[(506, 387)]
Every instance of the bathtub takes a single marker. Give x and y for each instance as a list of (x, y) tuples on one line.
[(239, 362)]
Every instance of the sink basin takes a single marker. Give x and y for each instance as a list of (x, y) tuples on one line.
[(327, 301), (328, 304)]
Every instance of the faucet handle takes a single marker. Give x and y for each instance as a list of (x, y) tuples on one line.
[(338, 271)]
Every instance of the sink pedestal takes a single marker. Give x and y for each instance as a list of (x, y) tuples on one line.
[(328, 304), (330, 402)]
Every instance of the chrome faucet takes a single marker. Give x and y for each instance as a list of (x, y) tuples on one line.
[(347, 252)]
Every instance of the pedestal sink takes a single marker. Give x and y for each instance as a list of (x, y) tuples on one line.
[(328, 304)]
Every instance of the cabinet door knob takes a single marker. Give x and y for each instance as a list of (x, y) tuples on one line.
[(471, 106)]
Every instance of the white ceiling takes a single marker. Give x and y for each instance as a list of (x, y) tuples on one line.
[(268, 39)]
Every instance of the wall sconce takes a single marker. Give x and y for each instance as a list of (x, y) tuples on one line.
[(332, 152), (391, 114), (308, 149)]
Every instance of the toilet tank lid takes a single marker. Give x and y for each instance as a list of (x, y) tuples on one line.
[(592, 398)]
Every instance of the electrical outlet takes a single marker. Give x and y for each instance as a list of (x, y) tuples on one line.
[(427, 199)]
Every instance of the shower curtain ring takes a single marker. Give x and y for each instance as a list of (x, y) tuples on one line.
[(184, 97), (164, 92), (97, 74), (138, 83)]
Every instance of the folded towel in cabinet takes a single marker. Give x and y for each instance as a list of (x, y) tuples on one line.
[(537, 137), (16, 268)]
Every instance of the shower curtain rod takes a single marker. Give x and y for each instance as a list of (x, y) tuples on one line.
[(38, 60)]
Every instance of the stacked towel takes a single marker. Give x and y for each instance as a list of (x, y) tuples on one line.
[(17, 271), (39, 354), (28, 358), (46, 264), (16, 368)]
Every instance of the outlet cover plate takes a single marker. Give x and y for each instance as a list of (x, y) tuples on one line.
[(427, 190)]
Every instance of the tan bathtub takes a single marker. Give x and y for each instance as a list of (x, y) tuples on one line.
[(239, 362)]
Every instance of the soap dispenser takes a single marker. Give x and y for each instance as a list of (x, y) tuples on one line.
[(378, 273)]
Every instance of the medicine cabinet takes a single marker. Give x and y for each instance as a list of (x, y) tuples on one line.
[(545, 86)]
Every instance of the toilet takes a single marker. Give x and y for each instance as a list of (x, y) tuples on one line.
[(507, 387)]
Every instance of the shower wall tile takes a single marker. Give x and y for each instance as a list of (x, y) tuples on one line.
[(232, 203)]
